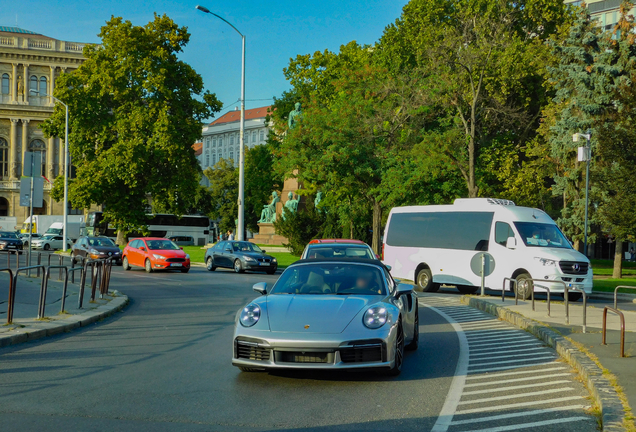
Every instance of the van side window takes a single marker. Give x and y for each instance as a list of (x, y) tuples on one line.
[(502, 232)]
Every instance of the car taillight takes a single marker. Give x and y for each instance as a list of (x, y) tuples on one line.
[(382, 255)]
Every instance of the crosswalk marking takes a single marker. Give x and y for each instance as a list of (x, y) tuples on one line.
[(517, 405), (519, 414), (525, 372), (495, 347), (517, 380), (531, 425), (501, 389), (519, 395), (503, 352)]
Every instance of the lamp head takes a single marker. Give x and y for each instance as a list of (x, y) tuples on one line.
[(202, 9), (33, 91)]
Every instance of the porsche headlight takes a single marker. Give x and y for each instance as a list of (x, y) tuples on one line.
[(250, 315), (546, 261), (375, 317)]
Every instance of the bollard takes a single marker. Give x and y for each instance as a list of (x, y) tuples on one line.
[(45, 285), (622, 317), (11, 301), (13, 290), (616, 292)]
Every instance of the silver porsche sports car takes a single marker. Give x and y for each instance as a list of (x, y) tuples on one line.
[(328, 314)]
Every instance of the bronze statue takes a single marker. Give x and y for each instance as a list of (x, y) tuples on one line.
[(294, 116), (268, 214), (317, 201), (291, 206)]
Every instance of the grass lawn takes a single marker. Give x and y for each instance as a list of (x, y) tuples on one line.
[(197, 254), (603, 268)]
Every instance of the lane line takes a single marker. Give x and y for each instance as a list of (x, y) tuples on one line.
[(516, 373), (502, 368), (515, 351), (515, 396), (500, 389), (517, 405), (493, 347), (459, 379), (507, 356), (519, 414), (530, 425), (517, 380)]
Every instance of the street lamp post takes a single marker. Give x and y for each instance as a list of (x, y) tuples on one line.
[(64, 244), (241, 197), (584, 155)]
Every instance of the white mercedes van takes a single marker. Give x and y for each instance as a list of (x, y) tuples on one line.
[(443, 244)]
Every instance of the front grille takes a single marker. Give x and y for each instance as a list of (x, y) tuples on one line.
[(579, 279), (175, 260), (266, 260), (303, 357), (573, 267), (362, 354), (251, 351), (566, 279)]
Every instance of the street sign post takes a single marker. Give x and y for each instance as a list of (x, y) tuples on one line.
[(31, 191)]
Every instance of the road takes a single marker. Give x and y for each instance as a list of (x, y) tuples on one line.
[(164, 365)]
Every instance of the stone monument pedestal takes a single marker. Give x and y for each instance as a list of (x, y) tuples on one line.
[(267, 235)]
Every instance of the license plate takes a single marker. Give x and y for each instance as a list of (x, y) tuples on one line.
[(264, 263), (176, 265), (578, 286), (11, 246)]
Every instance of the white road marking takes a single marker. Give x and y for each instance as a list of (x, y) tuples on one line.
[(495, 346), (517, 405), (518, 414), (507, 356), (502, 351), (517, 380), (531, 425), (546, 357), (508, 367), (481, 340), (515, 396), (534, 371), (457, 385), (500, 389)]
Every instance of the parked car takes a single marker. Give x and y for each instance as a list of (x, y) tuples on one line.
[(10, 241), (154, 253), (328, 314), (25, 238), (182, 240), (338, 248), (50, 242), (97, 247), (240, 256)]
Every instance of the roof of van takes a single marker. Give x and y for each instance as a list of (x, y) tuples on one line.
[(505, 208)]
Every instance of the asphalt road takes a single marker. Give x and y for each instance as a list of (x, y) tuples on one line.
[(164, 364)]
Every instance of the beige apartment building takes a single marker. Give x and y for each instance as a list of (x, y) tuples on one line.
[(30, 61)]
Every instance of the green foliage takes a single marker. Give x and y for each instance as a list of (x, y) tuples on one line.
[(135, 110), (300, 228), (223, 192)]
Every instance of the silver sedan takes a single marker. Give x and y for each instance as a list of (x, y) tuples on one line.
[(328, 314)]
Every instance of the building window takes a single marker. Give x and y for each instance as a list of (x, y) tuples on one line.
[(214, 143), (231, 139), (4, 158), (38, 146), (262, 135), (5, 83), (231, 154), (220, 142), (43, 86), (34, 83), (207, 159)]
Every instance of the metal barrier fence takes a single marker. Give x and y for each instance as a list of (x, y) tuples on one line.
[(616, 292), (514, 289), (101, 269), (622, 317), (17, 258)]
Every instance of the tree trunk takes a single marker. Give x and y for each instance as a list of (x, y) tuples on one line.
[(472, 189), (377, 226), (121, 238), (617, 273)]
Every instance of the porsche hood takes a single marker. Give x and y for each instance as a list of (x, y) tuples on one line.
[(329, 314)]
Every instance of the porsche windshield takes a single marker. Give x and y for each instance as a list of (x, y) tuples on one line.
[(542, 235), (338, 279)]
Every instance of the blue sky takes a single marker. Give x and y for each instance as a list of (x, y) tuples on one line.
[(275, 31)]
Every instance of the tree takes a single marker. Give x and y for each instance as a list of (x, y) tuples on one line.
[(223, 192), (135, 110), (488, 59)]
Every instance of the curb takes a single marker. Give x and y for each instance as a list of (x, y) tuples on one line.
[(610, 296), (65, 325), (612, 412)]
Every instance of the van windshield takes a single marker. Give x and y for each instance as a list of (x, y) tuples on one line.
[(542, 235)]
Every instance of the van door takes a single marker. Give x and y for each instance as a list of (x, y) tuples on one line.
[(504, 258)]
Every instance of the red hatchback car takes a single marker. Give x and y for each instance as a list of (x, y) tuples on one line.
[(153, 253)]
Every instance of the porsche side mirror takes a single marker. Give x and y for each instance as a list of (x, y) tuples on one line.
[(260, 288), (511, 243), (403, 289)]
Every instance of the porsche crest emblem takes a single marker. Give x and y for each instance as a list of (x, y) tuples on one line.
[(307, 326)]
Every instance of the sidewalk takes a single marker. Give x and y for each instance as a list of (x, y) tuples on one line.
[(26, 327), (608, 355)]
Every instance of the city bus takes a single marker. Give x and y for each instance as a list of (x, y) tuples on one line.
[(159, 225)]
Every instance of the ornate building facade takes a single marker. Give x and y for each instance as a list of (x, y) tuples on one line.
[(29, 66)]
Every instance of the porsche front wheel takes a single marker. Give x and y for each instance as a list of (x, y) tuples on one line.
[(398, 352)]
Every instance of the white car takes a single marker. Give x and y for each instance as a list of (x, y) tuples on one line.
[(50, 242), (25, 238)]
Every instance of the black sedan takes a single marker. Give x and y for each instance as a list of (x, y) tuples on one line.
[(240, 256), (97, 247), (10, 241)]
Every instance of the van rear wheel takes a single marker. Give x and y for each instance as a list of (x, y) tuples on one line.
[(425, 282)]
